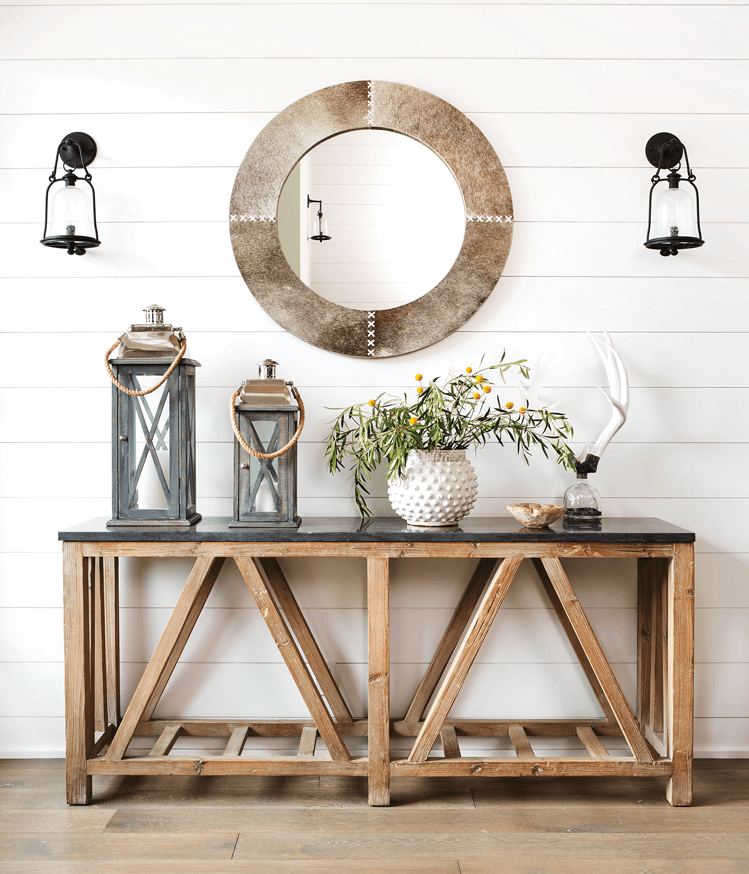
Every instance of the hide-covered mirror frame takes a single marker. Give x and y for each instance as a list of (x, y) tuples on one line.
[(371, 105)]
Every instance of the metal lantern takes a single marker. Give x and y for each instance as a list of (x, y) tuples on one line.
[(673, 214), (267, 416), (153, 426), (70, 214)]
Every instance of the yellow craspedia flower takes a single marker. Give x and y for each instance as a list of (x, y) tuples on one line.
[(522, 409), (487, 388), (479, 378), (371, 403), (469, 370), (509, 405), (419, 390), (418, 377), (413, 420), (476, 396)]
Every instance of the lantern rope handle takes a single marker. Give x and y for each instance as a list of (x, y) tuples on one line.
[(246, 446), (145, 391)]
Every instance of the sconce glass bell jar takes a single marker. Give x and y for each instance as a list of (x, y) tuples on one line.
[(673, 212), (70, 201)]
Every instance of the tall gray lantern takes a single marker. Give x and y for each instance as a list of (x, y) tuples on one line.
[(267, 422), (153, 426)]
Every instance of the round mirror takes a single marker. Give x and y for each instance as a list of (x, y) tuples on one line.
[(403, 309), (392, 223)]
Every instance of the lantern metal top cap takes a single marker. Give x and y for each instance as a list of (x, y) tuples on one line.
[(267, 369), (154, 314)]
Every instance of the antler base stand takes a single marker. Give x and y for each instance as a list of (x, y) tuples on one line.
[(658, 732)]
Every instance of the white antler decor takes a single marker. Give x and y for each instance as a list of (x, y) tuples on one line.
[(618, 395)]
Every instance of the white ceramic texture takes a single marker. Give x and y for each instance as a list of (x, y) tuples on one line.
[(439, 488)]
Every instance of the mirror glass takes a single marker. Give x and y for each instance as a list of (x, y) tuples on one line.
[(394, 213)]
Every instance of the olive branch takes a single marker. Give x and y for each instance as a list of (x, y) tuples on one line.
[(456, 415)]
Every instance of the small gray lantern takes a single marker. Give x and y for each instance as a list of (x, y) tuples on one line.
[(267, 424), (153, 434)]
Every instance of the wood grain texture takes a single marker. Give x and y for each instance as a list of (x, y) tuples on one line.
[(592, 743), (450, 745), (166, 740), (680, 673), (307, 742), (113, 847), (307, 643), (111, 570), (450, 639), (265, 866), (237, 740), (79, 716), (418, 821), (450, 686), (378, 683), (381, 550), (252, 574), (520, 742)]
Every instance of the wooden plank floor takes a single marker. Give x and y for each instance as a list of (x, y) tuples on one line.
[(322, 825)]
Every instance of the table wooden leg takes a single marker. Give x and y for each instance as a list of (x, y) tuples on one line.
[(680, 668), (79, 711), (112, 636), (378, 612)]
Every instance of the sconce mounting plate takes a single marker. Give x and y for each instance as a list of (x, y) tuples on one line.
[(69, 151), (672, 154)]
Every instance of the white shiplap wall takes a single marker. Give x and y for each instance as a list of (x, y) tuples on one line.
[(568, 94)]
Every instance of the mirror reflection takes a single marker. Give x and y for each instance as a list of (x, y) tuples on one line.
[(371, 219)]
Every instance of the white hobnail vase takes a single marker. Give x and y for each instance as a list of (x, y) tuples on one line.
[(438, 487)]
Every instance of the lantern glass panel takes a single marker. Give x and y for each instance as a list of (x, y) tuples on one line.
[(149, 490), (71, 213), (674, 214), (263, 479)]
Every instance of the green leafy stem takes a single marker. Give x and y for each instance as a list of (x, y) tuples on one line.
[(457, 415)]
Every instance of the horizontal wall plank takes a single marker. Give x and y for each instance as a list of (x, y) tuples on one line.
[(629, 470), (519, 303), (540, 194), (195, 85), (692, 359), (407, 31), (524, 139), (554, 249), (656, 415)]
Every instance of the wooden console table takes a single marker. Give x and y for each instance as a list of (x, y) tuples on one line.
[(659, 735)]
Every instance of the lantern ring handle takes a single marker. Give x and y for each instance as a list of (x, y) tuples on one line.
[(145, 391), (246, 446)]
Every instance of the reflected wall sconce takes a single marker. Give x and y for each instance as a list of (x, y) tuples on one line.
[(70, 214), (322, 225), (673, 215)]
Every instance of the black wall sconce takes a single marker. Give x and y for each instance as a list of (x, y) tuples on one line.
[(674, 218), (322, 225), (70, 215)]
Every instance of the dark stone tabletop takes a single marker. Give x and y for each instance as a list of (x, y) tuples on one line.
[(388, 529)]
